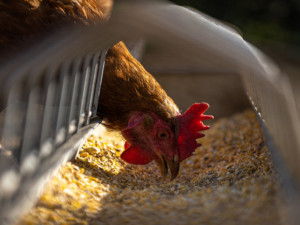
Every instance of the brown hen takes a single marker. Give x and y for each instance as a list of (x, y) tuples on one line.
[(131, 100)]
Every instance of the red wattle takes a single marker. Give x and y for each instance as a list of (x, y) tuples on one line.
[(136, 155)]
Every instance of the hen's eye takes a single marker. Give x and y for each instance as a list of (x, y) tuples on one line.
[(163, 135)]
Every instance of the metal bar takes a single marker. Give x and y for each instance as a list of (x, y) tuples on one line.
[(58, 80), (75, 81), (85, 74), (98, 82), (13, 122), (91, 88), (61, 125), (46, 138), (29, 149)]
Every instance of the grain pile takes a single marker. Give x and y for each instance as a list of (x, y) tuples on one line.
[(229, 180)]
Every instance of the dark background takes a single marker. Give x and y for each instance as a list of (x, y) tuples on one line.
[(273, 25)]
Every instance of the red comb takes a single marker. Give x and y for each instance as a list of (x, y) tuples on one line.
[(190, 125)]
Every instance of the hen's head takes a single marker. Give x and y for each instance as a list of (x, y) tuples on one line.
[(148, 138)]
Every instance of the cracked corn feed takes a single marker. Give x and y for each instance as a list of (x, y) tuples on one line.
[(229, 180)]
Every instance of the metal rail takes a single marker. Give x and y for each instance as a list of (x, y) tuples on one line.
[(50, 92), (47, 110)]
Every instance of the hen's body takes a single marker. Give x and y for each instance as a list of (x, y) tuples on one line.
[(128, 88), (131, 100), (25, 20)]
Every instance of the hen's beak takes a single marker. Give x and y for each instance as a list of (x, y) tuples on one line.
[(173, 164)]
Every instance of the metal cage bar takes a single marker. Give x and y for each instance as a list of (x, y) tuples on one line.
[(47, 113)]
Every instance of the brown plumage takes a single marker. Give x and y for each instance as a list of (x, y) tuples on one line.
[(134, 90), (131, 100), (23, 20)]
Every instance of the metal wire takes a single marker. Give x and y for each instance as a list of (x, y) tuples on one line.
[(45, 111), (50, 93)]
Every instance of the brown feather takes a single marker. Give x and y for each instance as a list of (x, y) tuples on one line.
[(127, 88), (23, 20)]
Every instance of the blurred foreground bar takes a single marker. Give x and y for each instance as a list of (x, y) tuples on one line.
[(48, 94)]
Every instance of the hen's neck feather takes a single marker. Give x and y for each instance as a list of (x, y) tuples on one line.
[(128, 88)]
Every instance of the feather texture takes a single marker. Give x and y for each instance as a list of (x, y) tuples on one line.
[(128, 88)]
